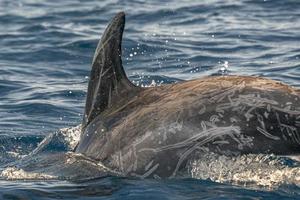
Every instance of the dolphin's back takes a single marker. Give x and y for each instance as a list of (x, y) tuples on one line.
[(154, 131)]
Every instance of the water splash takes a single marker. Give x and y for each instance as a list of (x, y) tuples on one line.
[(13, 173), (248, 170), (66, 139), (224, 69)]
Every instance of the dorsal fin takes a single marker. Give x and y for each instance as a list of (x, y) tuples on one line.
[(108, 77)]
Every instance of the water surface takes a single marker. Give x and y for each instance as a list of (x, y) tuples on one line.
[(46, 48)]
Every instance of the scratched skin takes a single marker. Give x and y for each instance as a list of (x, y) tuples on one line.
[(154, 132), (158, 130)]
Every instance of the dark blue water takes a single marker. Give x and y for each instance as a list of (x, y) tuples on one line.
[(46, 48)]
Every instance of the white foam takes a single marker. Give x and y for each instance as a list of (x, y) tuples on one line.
[(247, 170), (70, 136), (13, 173)]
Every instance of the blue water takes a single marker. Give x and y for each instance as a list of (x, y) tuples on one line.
[(46, 48)]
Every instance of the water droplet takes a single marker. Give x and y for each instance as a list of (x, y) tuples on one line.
[(226, 64)]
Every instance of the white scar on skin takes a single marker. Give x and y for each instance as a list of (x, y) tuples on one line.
[(204, 137), (148, 165), (291, 130), (268, 135), (148, 173), (228, 131)]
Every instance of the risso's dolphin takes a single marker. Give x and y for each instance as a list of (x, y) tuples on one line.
[(152, 132)]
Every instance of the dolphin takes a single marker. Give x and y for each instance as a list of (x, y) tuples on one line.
[(153, 132)]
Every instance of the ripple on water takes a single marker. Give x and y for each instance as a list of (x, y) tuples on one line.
[(46, 49)]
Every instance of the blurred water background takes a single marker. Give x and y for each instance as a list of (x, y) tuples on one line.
[(46, 48)]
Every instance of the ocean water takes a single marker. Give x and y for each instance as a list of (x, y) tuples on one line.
[(46, 49)]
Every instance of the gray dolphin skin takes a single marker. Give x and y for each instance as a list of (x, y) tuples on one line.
[(153, 132)]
